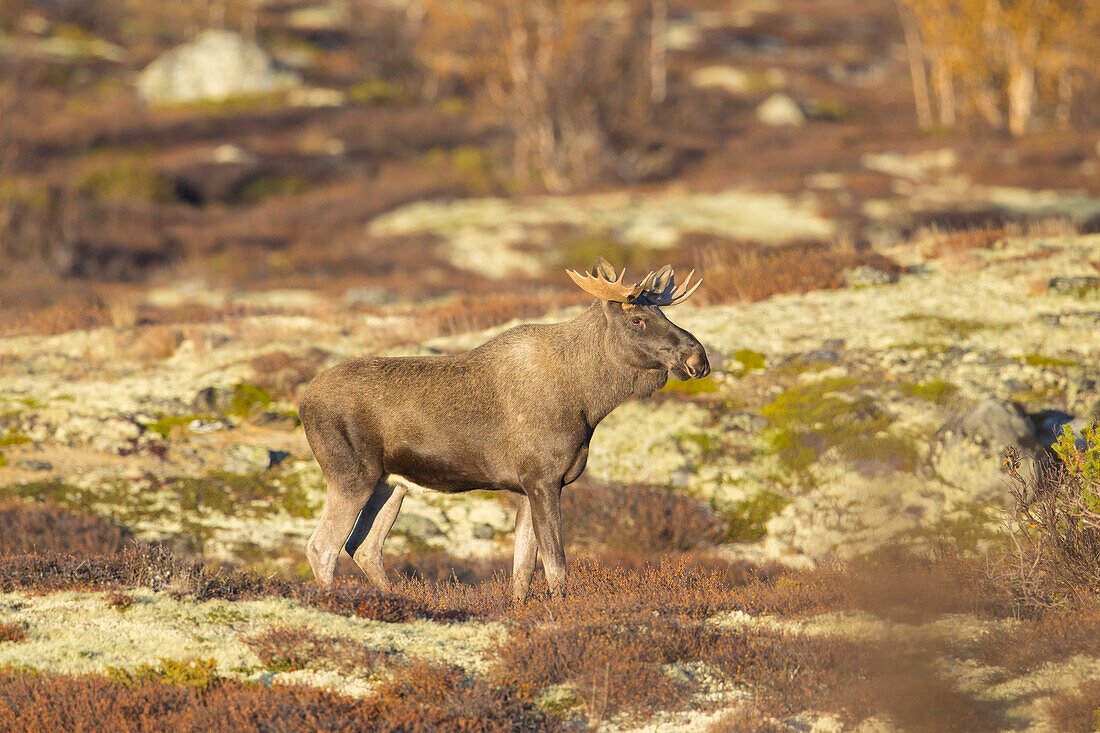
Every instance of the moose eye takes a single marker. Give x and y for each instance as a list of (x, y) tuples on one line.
[(635, 321)]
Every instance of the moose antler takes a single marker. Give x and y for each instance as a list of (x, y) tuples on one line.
[(604, 288), (657, 288)]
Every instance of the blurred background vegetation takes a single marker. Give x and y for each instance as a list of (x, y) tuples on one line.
[(258, 143)]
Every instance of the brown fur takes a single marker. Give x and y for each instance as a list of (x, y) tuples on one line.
[(515, 414)]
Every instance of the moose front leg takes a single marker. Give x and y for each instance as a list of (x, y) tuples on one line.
[(545, 501), (526, 554)]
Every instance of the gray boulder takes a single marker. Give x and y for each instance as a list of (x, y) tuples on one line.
[(414, 525), (215, 66), (966, 451)]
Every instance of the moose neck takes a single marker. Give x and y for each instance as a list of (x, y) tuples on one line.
[(603, 380)]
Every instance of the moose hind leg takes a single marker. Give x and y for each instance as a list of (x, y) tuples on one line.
[(347, 493), (375, 522)]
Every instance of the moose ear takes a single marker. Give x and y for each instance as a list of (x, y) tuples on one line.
[(604, 268)]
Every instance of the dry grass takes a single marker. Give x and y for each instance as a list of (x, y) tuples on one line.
[(741, 273)]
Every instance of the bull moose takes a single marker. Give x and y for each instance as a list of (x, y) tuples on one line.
[(514, 414)]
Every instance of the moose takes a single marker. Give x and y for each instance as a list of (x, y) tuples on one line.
[(514, 414)]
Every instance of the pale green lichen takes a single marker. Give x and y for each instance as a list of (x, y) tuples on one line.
[(647, 443), (77, 633)]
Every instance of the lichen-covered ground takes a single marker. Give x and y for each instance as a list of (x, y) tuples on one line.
[(836, 425)]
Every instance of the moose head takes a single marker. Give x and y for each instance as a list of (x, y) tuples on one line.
[(638, 330)]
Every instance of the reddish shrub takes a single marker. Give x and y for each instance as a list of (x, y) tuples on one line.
[(1052, 636), (429, 696), (438, 566), (283, 374), (27, 527), (747, 718), (12, 632), (737, 272), (1077, 711), (46, 702), (612, 666), (158, 568), (902, 588), (119, 600), (631, 517), (287, 649)]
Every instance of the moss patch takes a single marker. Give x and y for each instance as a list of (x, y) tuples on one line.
[(581, 251), (13, 437), (944, 326), (1038, 360), (164, 426), (808, 420), (129, 179), (746, 519), (189, 509), (377, 92), (936, 391), (261, 187), (198, 673), (248, 399), (750, 361)]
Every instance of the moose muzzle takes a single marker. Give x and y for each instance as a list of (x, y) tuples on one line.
[(695, 365)]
